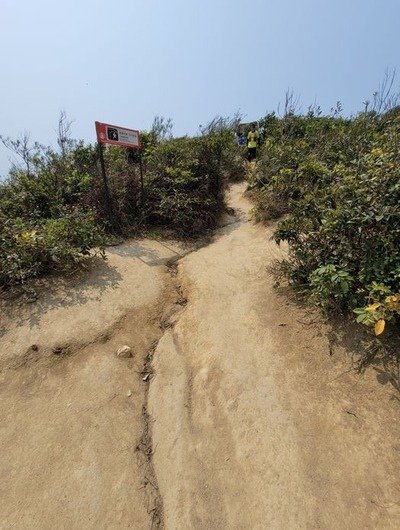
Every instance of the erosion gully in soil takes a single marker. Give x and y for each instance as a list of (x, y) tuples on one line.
[(235, 411)]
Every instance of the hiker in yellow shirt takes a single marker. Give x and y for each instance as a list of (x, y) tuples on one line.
[(252, 143)]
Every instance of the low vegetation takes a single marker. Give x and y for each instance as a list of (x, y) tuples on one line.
[(332, 182), (334, 185), (52, 209)]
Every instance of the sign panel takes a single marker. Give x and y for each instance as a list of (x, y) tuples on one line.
[(115, 135)]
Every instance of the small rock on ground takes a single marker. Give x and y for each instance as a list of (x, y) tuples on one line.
[(124, 351)]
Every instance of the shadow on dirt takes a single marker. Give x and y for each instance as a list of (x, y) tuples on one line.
[(381, 354), (149, 256), (55, 291), (368, 352)]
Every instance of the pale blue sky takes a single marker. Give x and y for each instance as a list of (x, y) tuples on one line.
[(125, 61)]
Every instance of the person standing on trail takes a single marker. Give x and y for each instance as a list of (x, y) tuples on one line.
[(241, 139), (252, 143)]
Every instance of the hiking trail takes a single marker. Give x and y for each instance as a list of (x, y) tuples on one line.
[(232, 413)]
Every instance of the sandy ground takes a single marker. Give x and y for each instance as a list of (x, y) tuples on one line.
[(256, 426), (71, 413), (247, 423)]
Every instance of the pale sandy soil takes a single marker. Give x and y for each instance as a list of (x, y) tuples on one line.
[(256, 426), (70, 422), (247, 423)]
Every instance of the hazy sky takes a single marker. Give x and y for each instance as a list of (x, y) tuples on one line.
[(125, 61)]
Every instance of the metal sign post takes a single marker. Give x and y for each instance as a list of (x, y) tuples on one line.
[(141, 175), (107, 198), (115, 135)]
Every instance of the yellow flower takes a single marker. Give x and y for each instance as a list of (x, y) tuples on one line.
[(373, 307)]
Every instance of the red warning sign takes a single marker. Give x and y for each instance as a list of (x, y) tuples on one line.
[(116, 135)]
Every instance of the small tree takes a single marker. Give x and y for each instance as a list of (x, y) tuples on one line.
[(64, 140), (22, 148), (161, 128)]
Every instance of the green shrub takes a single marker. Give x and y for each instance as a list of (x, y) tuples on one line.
[(185, 180), (338, 184), (30, 248), (53, 213), (331, 286)]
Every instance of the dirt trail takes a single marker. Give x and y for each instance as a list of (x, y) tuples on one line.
[(255, 425), (73, 422), (246, 423)]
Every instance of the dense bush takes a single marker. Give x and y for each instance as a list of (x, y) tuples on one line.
[(52, 207), (337, 183), (185, 179), (29, 248)]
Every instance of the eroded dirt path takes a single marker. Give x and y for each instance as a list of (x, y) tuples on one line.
[(255, 425), (246, 423), (74, 431)]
